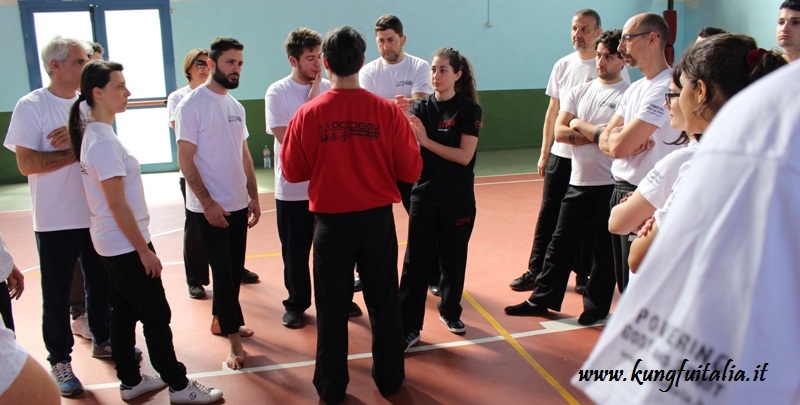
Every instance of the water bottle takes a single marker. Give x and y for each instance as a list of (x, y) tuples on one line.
[(267, 160)]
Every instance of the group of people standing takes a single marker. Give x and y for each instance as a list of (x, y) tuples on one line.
[(611, 149)]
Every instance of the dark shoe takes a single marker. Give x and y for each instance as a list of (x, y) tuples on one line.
[(526, 309), (588, 318), (411, 339), (357, 284), (248, 277), (292, 319), (354, 309), (456, 326), (525, 282), (580, 284), (434, 290), (197, 292)]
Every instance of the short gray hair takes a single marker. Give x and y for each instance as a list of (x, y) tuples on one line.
[(58, 49)]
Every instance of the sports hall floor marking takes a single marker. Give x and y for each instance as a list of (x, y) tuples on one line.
[(555, 326), (521, 350)]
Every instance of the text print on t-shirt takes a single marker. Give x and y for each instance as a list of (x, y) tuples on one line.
[(342, 130)]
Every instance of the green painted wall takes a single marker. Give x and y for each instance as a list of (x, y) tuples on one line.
[(512, 119)]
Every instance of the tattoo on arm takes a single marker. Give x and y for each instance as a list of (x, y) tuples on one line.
[(572, 136)]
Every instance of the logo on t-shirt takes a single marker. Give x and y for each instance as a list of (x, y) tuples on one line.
[(656, 109), (342, 130), (401, 83), (234, 118), (83, 168), (444, 125)]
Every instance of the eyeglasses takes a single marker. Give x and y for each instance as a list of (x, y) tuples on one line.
[(669, 96), (627, 37), (200, 64)]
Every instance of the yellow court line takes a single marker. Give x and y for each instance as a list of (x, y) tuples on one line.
[(521, 350)]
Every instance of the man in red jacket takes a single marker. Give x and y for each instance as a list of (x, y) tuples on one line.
[(353, 147)]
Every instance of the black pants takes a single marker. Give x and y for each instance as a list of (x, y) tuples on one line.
[(58, 252), (137, 297), (367, 239), (442, 232), (556, 181), (296, 232), (621, 243), (195, 261), (583, 209), (405, 196), (225, 248), (5, 306)]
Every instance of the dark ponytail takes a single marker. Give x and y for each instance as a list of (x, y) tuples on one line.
[(96, 73), (465, 85)]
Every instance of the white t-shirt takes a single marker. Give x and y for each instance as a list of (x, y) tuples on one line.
[(595, 103), (12, 357), (56, 197), (734, 225), (104, 157), (567, 73), (657, 186), (410, 75), (645, 100), (174, 99), (282, 100), (216, 124), (6, 261), (661, 213)]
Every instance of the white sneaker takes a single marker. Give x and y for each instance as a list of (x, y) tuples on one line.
[(80, 327), (195, 393), (146, 385)]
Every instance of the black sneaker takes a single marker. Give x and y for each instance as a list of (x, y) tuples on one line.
[(411, 339), (249, 277), (525, 282), (525, 309), (434, 290), (354, 310), (456, 326), (588, 318), (197, 292), (580, 284), (292, 319), (357, 284)]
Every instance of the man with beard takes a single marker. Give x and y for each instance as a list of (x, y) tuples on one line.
[(295, 221), (584, 209), (788, 30), (401, 78), (222, 194), (555, 160), (639, 134)]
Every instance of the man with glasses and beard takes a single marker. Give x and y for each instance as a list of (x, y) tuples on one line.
[(222, 194), (638, 135)]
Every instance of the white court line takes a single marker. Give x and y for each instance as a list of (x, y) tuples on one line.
[(557, 326)]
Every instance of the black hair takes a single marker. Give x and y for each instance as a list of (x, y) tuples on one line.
[(465, 85), (220, 45), (588, 12), (791, 5), (96, 73), (389, 22), (344, 50), (609, 39)]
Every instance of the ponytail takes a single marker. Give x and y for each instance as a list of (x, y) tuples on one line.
[(75, 126), (763, 62)]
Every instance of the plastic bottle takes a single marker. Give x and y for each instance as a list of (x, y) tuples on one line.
[(267, 159)]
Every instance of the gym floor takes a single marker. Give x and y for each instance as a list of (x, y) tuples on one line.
[(500, 359)]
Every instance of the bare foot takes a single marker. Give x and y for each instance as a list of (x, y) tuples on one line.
[(235, 361), (244, 331), (217, 330)]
